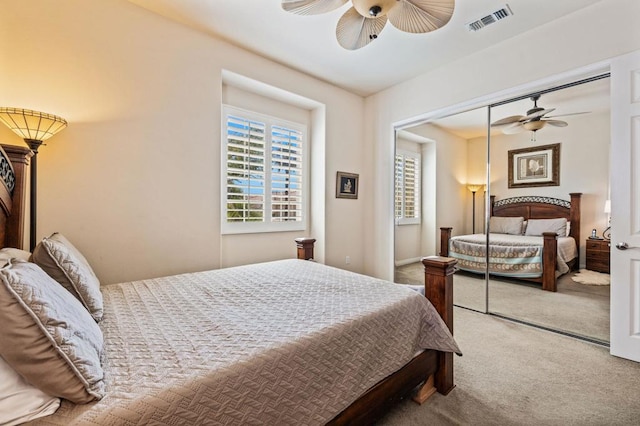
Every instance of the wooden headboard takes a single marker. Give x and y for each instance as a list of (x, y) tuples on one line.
[(13, 174), (537, 207)]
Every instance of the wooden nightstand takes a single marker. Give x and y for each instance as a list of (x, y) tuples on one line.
[(598, 255)]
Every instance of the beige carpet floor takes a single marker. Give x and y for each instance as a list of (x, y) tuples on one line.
[(575, 308), (513, 374)]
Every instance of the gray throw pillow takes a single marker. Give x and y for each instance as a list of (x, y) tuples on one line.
[(47, 336), (65, 264), (536, 227), (506, 225)]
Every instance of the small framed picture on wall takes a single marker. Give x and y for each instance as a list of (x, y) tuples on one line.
[(347, 185), (535, 166)]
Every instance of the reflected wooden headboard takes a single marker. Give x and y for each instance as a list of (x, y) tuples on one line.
[(14, 161), (539, 207)]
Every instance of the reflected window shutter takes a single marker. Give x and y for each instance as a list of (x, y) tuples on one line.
[(412, 188), (399, 191), (407, 187)]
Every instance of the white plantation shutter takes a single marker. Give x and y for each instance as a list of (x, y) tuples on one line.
[(412, 187), (263, 173), (286, 174), (245, 178), (399, 188), (407, 188)]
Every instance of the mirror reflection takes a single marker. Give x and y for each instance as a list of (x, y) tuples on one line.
[(453, 153), (542, 150), (550, 176)]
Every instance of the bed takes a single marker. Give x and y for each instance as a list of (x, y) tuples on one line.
[(284, 342), (532, 238)]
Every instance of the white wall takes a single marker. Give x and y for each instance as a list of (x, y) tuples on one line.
[(451, 179), (134, 180), (558, 47)]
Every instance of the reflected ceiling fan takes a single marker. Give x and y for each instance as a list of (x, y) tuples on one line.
[(535, 120), (364, 21)]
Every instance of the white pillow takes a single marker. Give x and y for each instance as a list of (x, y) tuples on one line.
[(21, 402), (506, 225), (13, 253), (536, 227)]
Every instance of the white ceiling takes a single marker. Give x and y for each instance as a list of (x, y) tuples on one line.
[(308, 43)]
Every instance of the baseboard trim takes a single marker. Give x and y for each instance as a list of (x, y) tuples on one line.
[(407, 261)]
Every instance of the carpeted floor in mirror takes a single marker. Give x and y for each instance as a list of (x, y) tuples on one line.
[(580, 306)]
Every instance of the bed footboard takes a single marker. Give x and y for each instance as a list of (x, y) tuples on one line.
[(429, 367), (549, 259)]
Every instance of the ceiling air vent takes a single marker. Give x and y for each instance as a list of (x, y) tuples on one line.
[(490, 18)]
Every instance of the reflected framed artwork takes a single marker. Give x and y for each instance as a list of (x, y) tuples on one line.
[(347, 185), (535, 166)]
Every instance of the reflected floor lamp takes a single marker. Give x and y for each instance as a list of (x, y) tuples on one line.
[(34, 127), (473, 188)]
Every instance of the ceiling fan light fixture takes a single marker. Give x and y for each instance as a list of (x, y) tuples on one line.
[(534, 125), (362, 23), (373, 8)]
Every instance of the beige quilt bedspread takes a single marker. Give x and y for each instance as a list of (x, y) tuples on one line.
[(509, 255), (286, 342)]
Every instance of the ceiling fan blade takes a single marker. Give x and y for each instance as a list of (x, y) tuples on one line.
[(569, 114), (513, 129), (537, 114), (421, 16), (557, 123), (311, 7), (507, 120), (355, 31)]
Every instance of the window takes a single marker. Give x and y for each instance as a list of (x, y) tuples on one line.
[(407, 196), (263, 173)]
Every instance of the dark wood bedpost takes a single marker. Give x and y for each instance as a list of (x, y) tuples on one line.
[(305, 247), (549, 260), (438, 288), (574, 218), (445, 236)]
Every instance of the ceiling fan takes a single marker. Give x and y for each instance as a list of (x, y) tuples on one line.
[(364, 21), (535, 119)]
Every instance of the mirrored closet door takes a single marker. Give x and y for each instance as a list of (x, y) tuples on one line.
[(440, 192), (543, 164), (549, 173)]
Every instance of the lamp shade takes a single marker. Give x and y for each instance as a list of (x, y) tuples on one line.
[(607, 206), (473, 187), (30, 124)]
